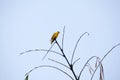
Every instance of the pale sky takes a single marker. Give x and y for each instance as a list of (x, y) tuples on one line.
[(29, 24)]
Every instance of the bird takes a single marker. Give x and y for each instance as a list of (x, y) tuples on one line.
[(54, 36)]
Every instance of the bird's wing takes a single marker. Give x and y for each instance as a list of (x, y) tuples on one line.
[(53, 37)]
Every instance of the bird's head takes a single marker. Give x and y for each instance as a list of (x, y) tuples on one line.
[(58, 32)]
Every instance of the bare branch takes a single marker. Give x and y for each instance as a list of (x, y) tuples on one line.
[(76, 45), (70, 65), (85, 66), (76, 61), (48, 51), (104, 58), (63, 37), (40, 50), (59, 63), (52, 51), (62, 52), (49, 67)]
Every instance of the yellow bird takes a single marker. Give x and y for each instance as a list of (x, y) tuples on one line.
[(54, 36)]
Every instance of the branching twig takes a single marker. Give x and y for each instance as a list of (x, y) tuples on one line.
[(70, 65), (62, 52), (49, 67), (75, 61), (59, 63), (103, 59), (76, 45), (85, 66)]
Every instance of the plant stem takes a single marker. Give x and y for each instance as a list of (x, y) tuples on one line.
[(85, 66), (70, 65), (103, 59)]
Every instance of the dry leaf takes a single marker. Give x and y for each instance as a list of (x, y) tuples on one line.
[(101, 72)]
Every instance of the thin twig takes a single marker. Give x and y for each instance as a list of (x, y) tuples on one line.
[(49, 67), (63, 37), (76, 61), (70, 65), (59, 63), (52, 51), (76, 45), (48, 51), (41, 50), (85, 66), (62, 52), (103, 59)]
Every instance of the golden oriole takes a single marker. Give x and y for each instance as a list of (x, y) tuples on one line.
[(54, 36)]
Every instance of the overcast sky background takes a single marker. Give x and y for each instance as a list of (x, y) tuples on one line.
[(29, 24)]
